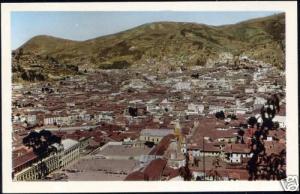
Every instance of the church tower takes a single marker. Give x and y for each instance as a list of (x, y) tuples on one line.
[(178, 135)]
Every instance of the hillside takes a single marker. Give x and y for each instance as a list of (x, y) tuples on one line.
[(159, 44)]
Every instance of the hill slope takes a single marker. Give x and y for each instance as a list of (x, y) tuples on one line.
[(155, 44)]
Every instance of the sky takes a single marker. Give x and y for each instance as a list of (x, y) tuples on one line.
[(87, 25)]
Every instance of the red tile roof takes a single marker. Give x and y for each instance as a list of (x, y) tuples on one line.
[(162, 146), (136, 176), (237, 148), (170, 172), (154, 170), (23, 159), (274, 147)]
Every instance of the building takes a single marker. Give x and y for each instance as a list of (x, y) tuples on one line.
[(259, 102), (281, 121), (183, 86), (236, 152), (215, 108), (31, 119), (70, 152), (154, 135), (194, 109), (57, 120), (84, 142), (152, 172), (29, 167)]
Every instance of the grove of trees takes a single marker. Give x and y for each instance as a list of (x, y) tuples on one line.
[(262, 166)]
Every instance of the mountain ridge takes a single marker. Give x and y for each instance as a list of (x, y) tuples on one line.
[(166, 43)]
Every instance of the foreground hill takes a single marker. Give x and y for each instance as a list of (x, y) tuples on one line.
[(159, 44)]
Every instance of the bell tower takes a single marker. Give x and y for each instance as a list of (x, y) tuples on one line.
[(178, 135)]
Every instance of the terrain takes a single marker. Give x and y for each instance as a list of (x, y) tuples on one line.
[(156, 46)]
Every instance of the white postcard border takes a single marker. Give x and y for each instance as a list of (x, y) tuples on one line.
[(289, 7)]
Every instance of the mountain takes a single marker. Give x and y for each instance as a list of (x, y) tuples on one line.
[(153, 45)]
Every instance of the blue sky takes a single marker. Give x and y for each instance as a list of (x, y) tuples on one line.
[(87, 25)]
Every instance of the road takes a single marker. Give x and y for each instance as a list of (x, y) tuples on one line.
[(70, 128)]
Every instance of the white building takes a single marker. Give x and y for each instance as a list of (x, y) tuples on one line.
[(71, 151), (105, 116), (259, 102), (29, 169), (195, 109), (237, 157), (214, 108), (249, 90), (183, 86), (236, 152), (59, 120), (262, 89), (154, 135), (241, 111), (31, 119), (281, 120)]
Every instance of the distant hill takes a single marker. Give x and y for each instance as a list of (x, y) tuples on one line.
[(153, 44)]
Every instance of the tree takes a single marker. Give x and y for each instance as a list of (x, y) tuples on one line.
[(276, 125), (267, 114), (232, 116), (252, 121), (241, 134), (42, 145), (133, 111), (220, 115), (274, 168)]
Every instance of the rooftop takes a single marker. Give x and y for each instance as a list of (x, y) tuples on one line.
[(156, 132), (68, 143)]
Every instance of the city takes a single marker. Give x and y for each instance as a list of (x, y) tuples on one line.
[(133, 125)]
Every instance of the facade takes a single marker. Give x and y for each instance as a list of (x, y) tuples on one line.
[(84, 142), (237, 157), (236, 152), (183, 86), (31, 119), (281, 120), (59, 120), (194, 109), (30, 168), (154, 135), (70, 153), (214, 108), (34, 169)]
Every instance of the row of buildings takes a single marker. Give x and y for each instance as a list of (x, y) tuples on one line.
[(30, 167), (172, 114)]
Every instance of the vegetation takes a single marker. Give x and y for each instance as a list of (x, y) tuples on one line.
[(167, 43), (42, 145), (252, 121), (220, 115), (262, 166)]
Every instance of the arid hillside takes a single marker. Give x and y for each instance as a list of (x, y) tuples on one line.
[(159, 43)]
